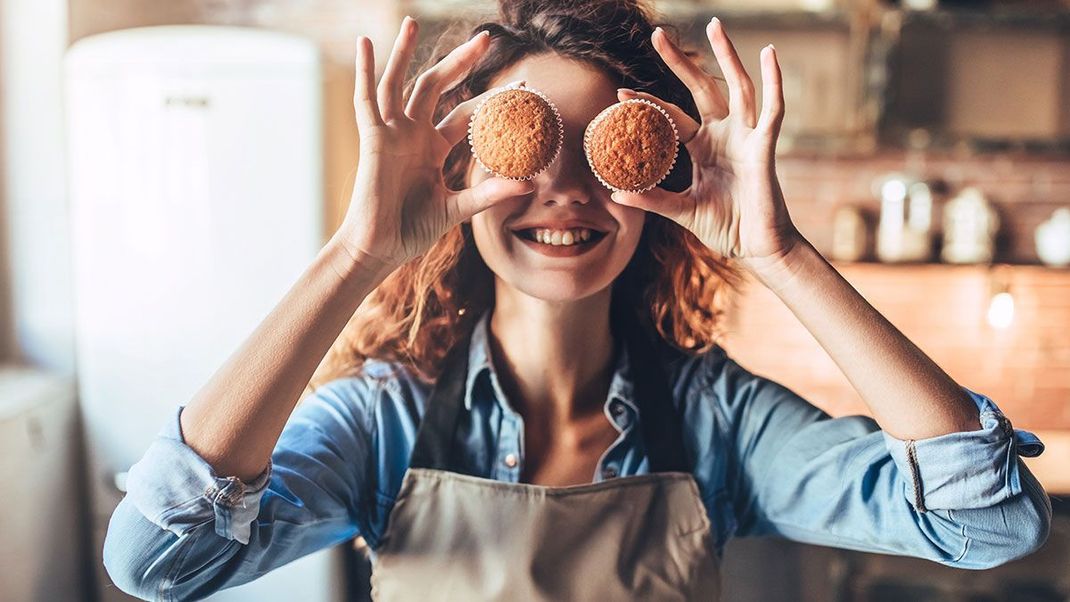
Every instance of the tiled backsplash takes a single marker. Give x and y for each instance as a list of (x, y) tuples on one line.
[(1024, 367)]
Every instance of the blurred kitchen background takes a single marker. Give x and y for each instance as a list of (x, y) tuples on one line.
[(146, 148)]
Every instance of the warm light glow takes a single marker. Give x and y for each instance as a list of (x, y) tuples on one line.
[(1001, 310)]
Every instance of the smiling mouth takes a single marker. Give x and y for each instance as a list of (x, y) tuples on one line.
[(552, 237)]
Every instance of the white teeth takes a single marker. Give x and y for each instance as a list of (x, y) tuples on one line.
[(562, 238)]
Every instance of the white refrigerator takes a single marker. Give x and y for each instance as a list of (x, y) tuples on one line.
[(196, 201)]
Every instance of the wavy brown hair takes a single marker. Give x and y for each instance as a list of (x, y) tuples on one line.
[(672, 283)]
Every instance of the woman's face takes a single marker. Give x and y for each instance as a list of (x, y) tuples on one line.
[(567, 197)]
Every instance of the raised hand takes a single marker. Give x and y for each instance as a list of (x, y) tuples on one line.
[(401, 204), (734, 204)]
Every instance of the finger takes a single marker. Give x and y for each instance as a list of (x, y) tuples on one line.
[(708, 97), (463, 204), (685, 125), (390, 87), (454, 126), (676, 206), (431, 83), (364, 104), (740, 86), (772, 93)]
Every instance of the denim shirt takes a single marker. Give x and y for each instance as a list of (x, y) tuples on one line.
[(765, 460)]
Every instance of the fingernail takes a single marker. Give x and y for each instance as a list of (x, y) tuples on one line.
[(482, 34), (715, 21), (627, 91), (615, 196)]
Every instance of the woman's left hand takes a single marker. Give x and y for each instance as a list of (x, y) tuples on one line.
[(734, 204)]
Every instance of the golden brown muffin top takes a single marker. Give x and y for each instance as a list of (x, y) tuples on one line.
[(632, 146), (516, 133)]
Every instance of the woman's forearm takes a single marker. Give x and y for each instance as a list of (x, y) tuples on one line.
[(235, 420), (910, 396)]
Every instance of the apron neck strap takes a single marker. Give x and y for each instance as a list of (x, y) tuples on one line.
[(437, 445), (659, 417)]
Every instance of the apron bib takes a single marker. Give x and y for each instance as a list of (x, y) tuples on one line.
[(455, 536)]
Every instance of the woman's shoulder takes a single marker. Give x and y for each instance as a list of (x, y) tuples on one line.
[(714, 377), (681, 359), (365, 393), (691, 370)]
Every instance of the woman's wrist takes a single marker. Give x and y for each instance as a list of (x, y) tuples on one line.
[(355, 266), (777, 270)]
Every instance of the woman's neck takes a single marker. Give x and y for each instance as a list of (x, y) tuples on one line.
[(555, 360)]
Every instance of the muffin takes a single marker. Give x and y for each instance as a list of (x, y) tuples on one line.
[(515, 133), (631, 146)]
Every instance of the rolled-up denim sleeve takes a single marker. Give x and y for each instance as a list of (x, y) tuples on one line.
[(178, 490), (963, 499), (970, 469), (184, 532)]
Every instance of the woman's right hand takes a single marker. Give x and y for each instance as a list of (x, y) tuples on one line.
[(401, 204)]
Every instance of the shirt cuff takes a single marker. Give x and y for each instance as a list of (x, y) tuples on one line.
[(973, 469), (178, 490)]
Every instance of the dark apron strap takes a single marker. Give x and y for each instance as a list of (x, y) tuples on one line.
[(434, 446), (658, 415), (437, 446)]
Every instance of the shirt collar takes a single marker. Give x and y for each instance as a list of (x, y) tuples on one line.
[(479, 360)]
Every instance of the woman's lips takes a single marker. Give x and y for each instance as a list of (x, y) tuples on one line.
[(532, 237)]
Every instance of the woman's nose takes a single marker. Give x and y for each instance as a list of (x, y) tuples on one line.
[(567, 180)]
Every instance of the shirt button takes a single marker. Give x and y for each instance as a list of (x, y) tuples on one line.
[(609, 472), (510, 460)]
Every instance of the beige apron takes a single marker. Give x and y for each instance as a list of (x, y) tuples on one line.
[(452, 536)]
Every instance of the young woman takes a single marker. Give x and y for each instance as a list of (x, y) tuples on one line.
[(506, 423)]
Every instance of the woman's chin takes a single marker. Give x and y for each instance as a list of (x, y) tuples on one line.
[(556, 287)]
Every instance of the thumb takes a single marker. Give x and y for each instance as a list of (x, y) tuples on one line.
[(673, 205), (463, 204)]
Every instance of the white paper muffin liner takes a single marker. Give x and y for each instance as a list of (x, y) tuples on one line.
[(557, 119), (605, 113)]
